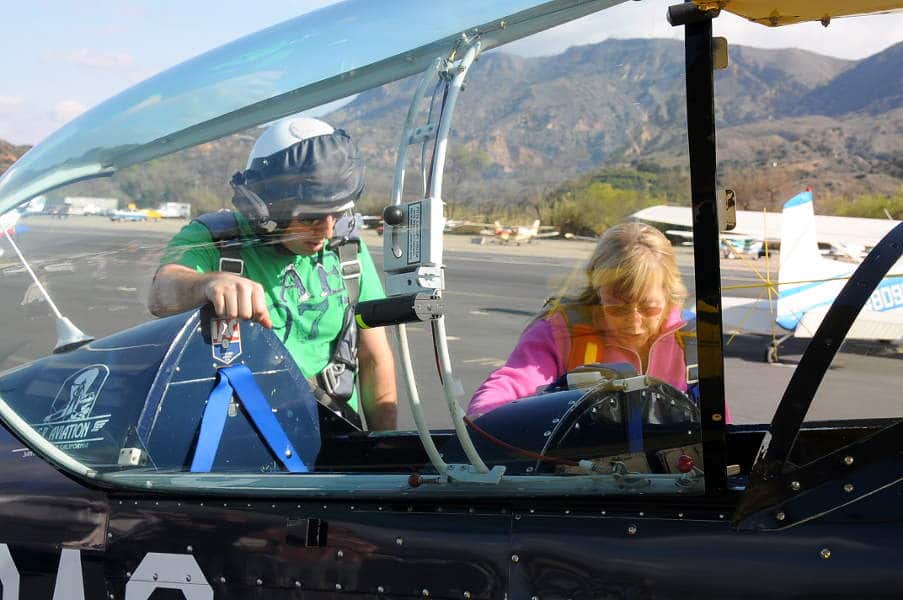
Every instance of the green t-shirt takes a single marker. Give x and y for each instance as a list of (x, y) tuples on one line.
[(306, 295)]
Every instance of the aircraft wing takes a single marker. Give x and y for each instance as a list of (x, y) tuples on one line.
[(785, 12), (547, 234), (835, 231), (749, 316), (869, 325)]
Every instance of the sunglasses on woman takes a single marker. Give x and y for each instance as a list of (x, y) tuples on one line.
[(627, 310)]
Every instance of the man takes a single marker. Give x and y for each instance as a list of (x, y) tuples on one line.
[(301, 177)]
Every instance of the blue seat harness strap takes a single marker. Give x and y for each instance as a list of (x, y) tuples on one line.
[(239, 380), (634, 426)]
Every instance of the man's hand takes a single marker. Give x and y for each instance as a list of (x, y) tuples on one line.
[(236, 296), (177, 288)]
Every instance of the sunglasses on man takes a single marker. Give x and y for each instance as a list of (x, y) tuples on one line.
[(317, 220)]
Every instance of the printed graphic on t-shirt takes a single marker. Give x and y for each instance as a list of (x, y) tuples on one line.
[(297, 301)]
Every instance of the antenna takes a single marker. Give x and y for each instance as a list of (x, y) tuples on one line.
[(68, 336)]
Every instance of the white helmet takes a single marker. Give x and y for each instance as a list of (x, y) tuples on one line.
[(285, 132), (298, 166)]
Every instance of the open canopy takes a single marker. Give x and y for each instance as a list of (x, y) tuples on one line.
[(299, 64)]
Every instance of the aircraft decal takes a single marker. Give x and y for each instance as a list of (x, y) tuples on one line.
[(888, 296), (415, 234), (9, 575), (157, 571), (70, 584), (71, 423), (225, 339)]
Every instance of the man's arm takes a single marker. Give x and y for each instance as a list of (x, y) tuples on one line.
[(377, 376), (177, 288)]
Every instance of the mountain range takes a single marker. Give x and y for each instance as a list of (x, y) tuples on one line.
[(786, 119), (10, 153), (544, 120)]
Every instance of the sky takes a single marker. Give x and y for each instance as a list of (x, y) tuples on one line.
[(61, 57)]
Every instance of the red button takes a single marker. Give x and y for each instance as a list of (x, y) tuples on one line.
[(685, 463)]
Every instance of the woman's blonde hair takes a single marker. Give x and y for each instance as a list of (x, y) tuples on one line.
[(627, 258)]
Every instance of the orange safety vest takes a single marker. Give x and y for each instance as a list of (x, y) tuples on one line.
[(587, 343)]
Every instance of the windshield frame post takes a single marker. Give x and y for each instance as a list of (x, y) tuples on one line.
[(700, 86), (450, 384)]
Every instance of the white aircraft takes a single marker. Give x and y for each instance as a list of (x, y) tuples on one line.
[(518, 234), (843, 237), (8, 225), (8, 221), (807, 284), (732, 246)]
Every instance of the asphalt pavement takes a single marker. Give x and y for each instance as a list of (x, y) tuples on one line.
[(99, 272)]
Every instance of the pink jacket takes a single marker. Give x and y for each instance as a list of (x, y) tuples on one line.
[(541, 354)]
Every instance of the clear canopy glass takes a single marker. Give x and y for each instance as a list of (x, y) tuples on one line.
[(301, 63)]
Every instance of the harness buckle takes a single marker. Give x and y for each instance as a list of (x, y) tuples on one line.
[(350, 269), (329, 377)]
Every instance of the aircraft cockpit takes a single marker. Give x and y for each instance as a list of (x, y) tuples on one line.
[(561, 272), (140, 402)]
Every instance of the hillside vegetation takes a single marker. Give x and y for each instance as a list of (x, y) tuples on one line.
[(583, 138), (10, 154)]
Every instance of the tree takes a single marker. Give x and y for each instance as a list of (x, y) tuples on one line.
[(462, 164)]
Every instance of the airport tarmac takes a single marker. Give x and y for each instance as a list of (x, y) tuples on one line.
[(99, 272)]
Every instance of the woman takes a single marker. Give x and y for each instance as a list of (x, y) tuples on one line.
[(629, 311)]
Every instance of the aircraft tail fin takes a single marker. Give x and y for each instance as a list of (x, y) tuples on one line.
[(799, 246), (807, 279)]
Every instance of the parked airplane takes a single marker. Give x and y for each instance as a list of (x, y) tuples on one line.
[(732, 246), (8, 221), (847, 237), (519, 234), (8, 225), (806, 286)]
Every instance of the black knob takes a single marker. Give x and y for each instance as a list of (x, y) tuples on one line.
[(393, 215)]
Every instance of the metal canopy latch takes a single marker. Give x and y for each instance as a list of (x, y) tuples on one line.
[(719, 53), (422, 134), (132, 457), (727, 211)]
